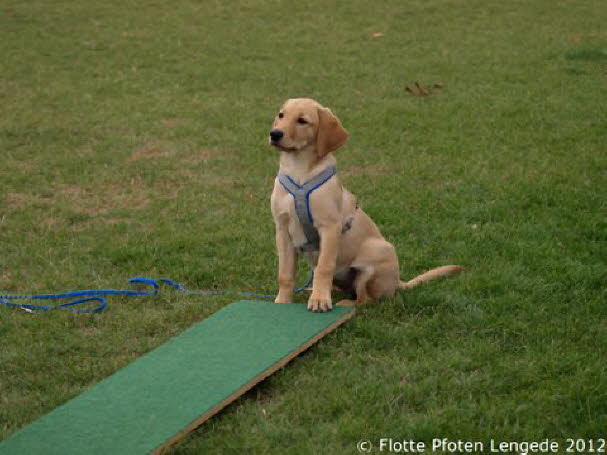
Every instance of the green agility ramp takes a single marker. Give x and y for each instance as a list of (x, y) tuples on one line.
[(160, 397)]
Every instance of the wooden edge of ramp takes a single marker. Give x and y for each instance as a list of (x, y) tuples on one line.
[(248, 386)]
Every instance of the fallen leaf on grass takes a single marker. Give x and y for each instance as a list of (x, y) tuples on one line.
[(417, 89)]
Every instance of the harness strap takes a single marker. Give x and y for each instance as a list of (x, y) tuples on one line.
[(301, 197)]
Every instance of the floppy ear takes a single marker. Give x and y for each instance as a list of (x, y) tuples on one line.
[(331, 135)]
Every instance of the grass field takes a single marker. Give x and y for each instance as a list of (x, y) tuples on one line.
[(133, 142)]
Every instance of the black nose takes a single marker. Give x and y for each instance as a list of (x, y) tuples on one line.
[(276, 135)]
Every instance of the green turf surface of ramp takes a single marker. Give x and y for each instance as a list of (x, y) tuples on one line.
[(166, 393)]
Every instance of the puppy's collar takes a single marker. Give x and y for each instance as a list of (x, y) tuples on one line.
[(301, 197)]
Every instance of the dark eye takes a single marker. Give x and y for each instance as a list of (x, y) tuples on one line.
[(302, 121), (280, 115)]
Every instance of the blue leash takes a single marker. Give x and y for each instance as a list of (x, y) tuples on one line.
[(98, 295)]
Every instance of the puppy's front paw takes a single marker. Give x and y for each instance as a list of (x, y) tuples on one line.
[(319, 304)]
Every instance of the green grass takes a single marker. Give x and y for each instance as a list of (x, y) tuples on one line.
[(133, 141)]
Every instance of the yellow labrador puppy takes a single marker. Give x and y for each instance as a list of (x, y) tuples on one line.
[(315, 215)]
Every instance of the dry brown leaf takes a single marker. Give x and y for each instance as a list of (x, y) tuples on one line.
[(416, 89)]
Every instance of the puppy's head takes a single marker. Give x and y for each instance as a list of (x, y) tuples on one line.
[(303, 123)]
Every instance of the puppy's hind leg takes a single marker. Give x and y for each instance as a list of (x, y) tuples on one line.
[(363, 275)]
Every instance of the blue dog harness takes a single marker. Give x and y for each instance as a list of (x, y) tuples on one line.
[(301, 197)]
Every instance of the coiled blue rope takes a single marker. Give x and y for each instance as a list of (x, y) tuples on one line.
[(98, 295)]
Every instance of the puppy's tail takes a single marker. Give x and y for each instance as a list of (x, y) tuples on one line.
[(445, 270)]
